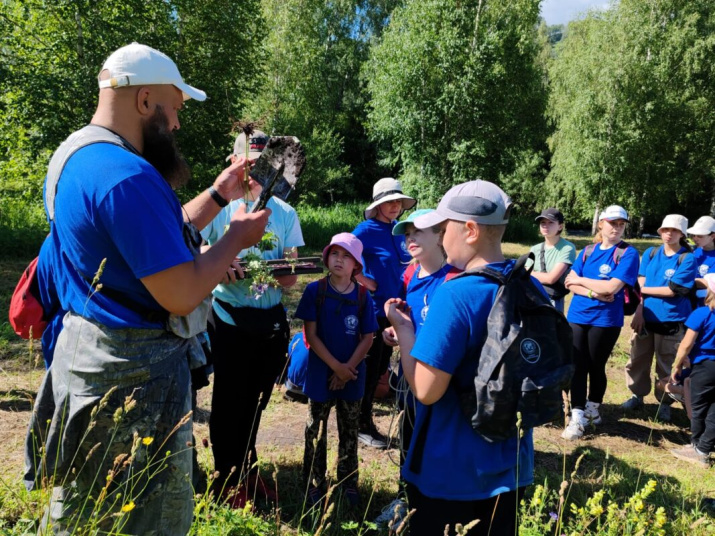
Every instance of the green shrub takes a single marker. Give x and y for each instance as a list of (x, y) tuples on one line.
[(23, 227), (320, 224)]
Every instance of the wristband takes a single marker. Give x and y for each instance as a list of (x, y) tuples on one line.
[(590, 294), (220, 201)]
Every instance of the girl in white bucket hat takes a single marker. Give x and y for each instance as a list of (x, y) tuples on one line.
[(385, 258), (666, 276), (703, 234)]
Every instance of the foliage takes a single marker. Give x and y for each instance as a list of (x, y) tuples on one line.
[(320, 224), (455, 91)]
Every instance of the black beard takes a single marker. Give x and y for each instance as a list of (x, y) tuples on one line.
[(161, 151)]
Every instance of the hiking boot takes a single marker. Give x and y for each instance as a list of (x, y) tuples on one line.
[(370, 436), (576, 427), (678, 397), (352, 496), (692, 455), (634, 402), (315, 496), (394, 512), (591, 414), (256, 484), (663, 414)]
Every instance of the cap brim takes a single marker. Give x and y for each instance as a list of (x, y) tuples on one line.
[(429, 220), (547, 217), (191, 92), (399, 229), (252, 155), (699, 231), (407, 203)]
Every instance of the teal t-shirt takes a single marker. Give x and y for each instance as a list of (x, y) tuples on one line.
[(564, 251)]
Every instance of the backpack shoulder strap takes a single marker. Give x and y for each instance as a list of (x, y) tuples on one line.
[(588, 251), (320, 296), (362, 299), (653, 251), (410, 272), (542, 252), (452, 273), (620, 250), (83, 137)]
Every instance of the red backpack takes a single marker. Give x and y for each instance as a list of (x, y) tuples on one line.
[(27, 317)]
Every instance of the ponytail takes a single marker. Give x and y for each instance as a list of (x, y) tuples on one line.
[(685, 244)]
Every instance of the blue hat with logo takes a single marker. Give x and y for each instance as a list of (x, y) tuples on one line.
[(399, 229)]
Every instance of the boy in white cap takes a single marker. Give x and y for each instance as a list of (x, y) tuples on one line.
[(703, 234), (119, 363), (453, 475), (666, 276), (385, 259)]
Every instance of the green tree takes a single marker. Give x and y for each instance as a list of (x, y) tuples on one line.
[(457, 93)]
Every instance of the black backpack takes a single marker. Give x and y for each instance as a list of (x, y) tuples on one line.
[(525, 363)]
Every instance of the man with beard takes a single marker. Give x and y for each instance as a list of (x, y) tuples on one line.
[(112, 416)]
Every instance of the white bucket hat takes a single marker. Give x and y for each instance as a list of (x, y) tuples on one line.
[(704, 226), (140, 65), (388, 189), (674, 221)]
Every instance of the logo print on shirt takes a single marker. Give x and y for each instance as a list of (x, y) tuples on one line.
[(703, 269), (423, 313), (404, 246), (351, 322), (670, 272), (604, 269), (530, 351)]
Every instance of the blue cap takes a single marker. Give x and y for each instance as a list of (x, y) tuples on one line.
[(399, 229)]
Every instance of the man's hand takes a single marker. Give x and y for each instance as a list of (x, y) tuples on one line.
[(229, 183), (234, 273), (252, 225)]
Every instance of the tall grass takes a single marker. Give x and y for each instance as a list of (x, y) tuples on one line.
[(23, 227)]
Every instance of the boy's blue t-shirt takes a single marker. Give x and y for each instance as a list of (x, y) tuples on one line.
[(112, 204), (705, 263), (339, 328), (385, 257), (420, 292), (600, 265), (458, 464), (658, 272), (702, 320)]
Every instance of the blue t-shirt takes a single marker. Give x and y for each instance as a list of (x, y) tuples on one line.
[(385, 258), (112, 204), (339, 328), (283, 223), (702, 320), (47, 282), (705, 263), (458, 464), (601, 265), (420, 292), (658, 272)]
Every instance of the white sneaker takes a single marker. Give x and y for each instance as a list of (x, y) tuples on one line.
[(591, 413), (576, 426), (396, 511)]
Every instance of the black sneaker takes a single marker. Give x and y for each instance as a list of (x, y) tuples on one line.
[(370, 437)]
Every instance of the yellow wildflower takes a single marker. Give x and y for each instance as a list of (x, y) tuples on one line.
[(147, 441), (128, 507)]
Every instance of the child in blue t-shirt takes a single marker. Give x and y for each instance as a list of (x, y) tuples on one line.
[(597, 280), (339, 321), (666, 277), (698, 350), (454, 475), (703, 234)]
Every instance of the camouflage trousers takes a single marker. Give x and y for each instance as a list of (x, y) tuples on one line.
[(111, 432), (316, 442)]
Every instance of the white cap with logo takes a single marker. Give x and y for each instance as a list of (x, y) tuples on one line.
[(614, 212), (140, 65), (704, 226)]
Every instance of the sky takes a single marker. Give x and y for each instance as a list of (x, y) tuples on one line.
[(563, 11)]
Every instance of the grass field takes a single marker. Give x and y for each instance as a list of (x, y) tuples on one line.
[(617, 459)]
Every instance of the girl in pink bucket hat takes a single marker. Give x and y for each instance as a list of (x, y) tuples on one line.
[(339, 324)]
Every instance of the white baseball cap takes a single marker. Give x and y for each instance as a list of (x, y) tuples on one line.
[(614, 212), (140, 65), (704, 226), (674, 221)]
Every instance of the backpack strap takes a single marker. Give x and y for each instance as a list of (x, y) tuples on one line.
[(588, 251), (620, 251), (653, 251), (543, 256), (410, 272)]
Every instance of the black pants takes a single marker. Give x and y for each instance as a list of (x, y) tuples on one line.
[(497, 515), (246, 365), (702, 400), (592, 347), (377, 360)]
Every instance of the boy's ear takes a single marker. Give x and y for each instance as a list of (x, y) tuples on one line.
[(471, 232)]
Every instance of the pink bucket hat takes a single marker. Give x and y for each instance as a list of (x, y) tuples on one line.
[(350, 243)]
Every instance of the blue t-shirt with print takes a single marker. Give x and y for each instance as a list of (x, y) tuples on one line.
[(339, 328), (420, 292), (659, 272), (112, 204), (601, 265), (705, 263), (385, 258), (458, 464), (702, 320)]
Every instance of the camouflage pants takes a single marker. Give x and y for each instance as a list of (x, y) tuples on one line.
[(111, 431), (316, 441)]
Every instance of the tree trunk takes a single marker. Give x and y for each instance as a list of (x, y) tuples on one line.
[(594, 224)]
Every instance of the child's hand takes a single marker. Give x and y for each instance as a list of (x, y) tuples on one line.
[(604, 297), (389, 336), (571, 279), (345, 372), (336, 383), (397, 312)]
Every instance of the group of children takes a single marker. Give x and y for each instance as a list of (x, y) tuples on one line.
[(403, 264)]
